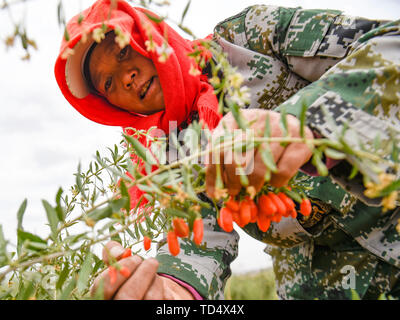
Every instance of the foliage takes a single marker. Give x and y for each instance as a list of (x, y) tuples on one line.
[(97, 207), (252, 286)]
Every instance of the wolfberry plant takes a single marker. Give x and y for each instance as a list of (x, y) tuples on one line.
[(98, 206)]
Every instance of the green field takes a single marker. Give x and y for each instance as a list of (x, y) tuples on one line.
[(251, 286)]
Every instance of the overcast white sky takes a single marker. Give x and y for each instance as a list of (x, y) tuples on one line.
[(42, 138)]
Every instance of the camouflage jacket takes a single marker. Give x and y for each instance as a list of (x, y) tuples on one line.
[(350, 67)]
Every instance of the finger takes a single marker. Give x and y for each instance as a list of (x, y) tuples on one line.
[(214, 158), (137, 285), (112, 250), (292, 159), (109, 288), (156, 290)]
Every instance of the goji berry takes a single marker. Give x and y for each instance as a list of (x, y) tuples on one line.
[(305, 207), (293, 213), (112, 273), (276, 218), (280, 206), (289, 203), (266, 206), (236, 218), (125, 272), (225, 219), (181, 228), (263, 222), (244, 212), (253, 209), (173, 243), (127, 253), (198, 231), (232, 204), (146, 243)]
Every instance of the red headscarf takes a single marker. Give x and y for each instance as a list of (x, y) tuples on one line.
[(183, 92)]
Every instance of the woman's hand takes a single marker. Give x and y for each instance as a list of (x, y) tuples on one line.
[(288, 158), (143, 283)]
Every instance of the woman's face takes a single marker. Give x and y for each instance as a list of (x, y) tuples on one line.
[(125, 78)]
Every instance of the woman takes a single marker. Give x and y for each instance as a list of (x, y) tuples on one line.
[(287, 56)]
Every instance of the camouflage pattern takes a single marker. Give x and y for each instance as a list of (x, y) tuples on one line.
[(348, 67)]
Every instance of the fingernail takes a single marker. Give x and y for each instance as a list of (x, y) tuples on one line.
[(116, 251)]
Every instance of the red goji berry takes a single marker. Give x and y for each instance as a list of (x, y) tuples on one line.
[(127, 253), (146, 243), (112, 273), (293, 213), (226, 219), (266, 206), (263, 222), (236, 218), (280, 206), (245, 212), (232, 204), (181, 228), (198, 231), (125, 272), (173, 243), (289, 203), (253, 209), (276, 218), (305, 207)]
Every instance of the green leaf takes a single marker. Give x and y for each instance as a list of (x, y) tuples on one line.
[(118, 204), (318, 162), (102, 213), (141, 150), (26, 290), (125, 194), (20, 213), (334, 154), (24, 235), (395, 151), (283, 124), (85, 273), (59, 208), (154, 18), (185, 11), (353, 173), (65, 294), (268, 159), (172, 212), (115, 237), (293, 195), (244, 180), (63, 276), (303, 119), (30, 241), (52, 218), (3, 248)]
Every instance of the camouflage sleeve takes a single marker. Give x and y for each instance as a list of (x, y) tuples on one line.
[(281, 50), (360, 93), (206, 267)]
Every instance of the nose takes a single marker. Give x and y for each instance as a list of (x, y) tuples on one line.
[(128, 78)]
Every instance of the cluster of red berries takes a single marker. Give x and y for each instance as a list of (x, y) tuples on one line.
[(124, 271), (270, 207), (180, 229)]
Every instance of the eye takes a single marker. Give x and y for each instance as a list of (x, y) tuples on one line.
[(123, 53), (107, 84)]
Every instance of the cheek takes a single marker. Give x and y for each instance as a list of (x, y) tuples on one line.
[(123, 100)]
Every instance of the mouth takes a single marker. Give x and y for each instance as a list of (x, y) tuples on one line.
[(145, 88)]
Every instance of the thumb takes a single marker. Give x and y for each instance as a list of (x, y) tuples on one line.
[(112, 250)]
